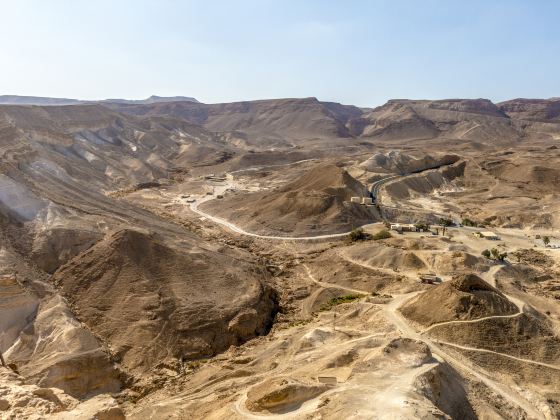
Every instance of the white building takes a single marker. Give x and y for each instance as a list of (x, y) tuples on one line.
[(487, 235), (403, 227)]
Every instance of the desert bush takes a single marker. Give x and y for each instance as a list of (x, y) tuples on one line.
[(468, 222), (382, 234), (358, 235), (338, 301)]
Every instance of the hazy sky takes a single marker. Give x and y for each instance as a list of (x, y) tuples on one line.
[(358, 52)]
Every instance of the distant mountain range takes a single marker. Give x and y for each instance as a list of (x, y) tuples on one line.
[(43, 101)]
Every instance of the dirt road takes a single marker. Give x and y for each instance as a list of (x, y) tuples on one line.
[(393, 315)]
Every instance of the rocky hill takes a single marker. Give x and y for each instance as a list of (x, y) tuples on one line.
[(465, 297), (277, 122), (132, 288), (402, 163), (543, 110), (318, 202)]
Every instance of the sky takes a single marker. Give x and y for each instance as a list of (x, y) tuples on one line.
[(349, 51)]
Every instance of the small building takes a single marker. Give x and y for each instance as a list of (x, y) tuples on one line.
[(487, 235), (428, 278), (398, 227), (367, 201), (356, 200)]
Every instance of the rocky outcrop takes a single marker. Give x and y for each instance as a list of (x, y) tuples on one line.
[(153, 302), (318, 202), (54, 350), (19, 400), (278, 394), (401, 163)]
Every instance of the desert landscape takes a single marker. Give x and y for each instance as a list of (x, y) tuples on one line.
[(287, 258)]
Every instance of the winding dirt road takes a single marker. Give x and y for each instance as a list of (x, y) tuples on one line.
[(393, 315), (220, 189)]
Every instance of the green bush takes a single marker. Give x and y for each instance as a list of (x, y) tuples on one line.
[(424, 226), (468, 222), (358, 235), (494, 254), (382, 234)]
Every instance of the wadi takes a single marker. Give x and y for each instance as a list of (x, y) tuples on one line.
[(287, 258)]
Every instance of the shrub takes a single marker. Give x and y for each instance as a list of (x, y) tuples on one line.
[(497, 255), (445, 222), (468, 222), (424, 226), (486, 253), (358, 235), (382, 234), (338, 301)]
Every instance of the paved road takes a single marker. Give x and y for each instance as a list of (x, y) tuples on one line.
[(379, 183)]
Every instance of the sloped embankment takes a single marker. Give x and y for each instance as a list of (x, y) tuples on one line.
[(465, 297), (152, 302), (316, 203)]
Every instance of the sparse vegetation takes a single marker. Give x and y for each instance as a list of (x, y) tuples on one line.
[(359, 235), (339, 300), (468, 222), (445, 222), (382, 234), (424, 226), (300, 322), (494, 254), (546, 240), (195, 364)]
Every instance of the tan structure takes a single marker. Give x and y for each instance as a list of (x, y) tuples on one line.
[(487, 235), (403, 227)]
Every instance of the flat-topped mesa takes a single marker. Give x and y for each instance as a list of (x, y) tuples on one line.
[(543, 110), (473, 106)]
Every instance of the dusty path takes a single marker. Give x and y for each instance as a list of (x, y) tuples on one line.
[(469, 321), (489, 277), (327, 285), (410, 274), (469, 130), (393, 315), (519, 359), (258, 168), (308, 304), (220, 189), (388, 399)]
